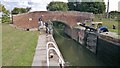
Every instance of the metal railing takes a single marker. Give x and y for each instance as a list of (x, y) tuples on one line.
[(57, 52)]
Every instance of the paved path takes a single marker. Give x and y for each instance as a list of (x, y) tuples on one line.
[(40, 58)]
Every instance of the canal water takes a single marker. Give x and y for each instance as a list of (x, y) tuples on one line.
[(74, 53)]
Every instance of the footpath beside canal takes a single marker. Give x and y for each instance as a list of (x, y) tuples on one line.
[(40, 54), (47, 52)]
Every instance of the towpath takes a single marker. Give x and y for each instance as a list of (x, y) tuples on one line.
[(40, 58)]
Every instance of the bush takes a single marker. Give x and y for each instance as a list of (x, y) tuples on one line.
[(5, 14), (5, 19)]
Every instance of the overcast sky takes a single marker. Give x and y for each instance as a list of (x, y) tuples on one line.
[(40, 5)]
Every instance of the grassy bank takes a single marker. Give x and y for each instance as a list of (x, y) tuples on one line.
[(18, 47), (0, 44), (109, 23)]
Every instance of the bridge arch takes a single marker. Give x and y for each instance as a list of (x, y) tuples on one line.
[(60, 22)]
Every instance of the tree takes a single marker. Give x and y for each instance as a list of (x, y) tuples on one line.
[(15, 11), (57, 6), (71, 5), (0, 7), (5, 14), (20, 10), (94, 7), (28, 9), (114, 15)]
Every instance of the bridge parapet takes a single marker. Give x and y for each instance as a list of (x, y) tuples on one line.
[(70, 18)]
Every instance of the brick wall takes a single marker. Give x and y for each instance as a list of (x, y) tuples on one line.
[(70, 18)]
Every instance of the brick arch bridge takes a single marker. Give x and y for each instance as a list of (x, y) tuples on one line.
[(30, 20)]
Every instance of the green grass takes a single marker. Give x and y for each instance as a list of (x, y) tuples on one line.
[(18, 46), (0, 44), (109, 23)]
